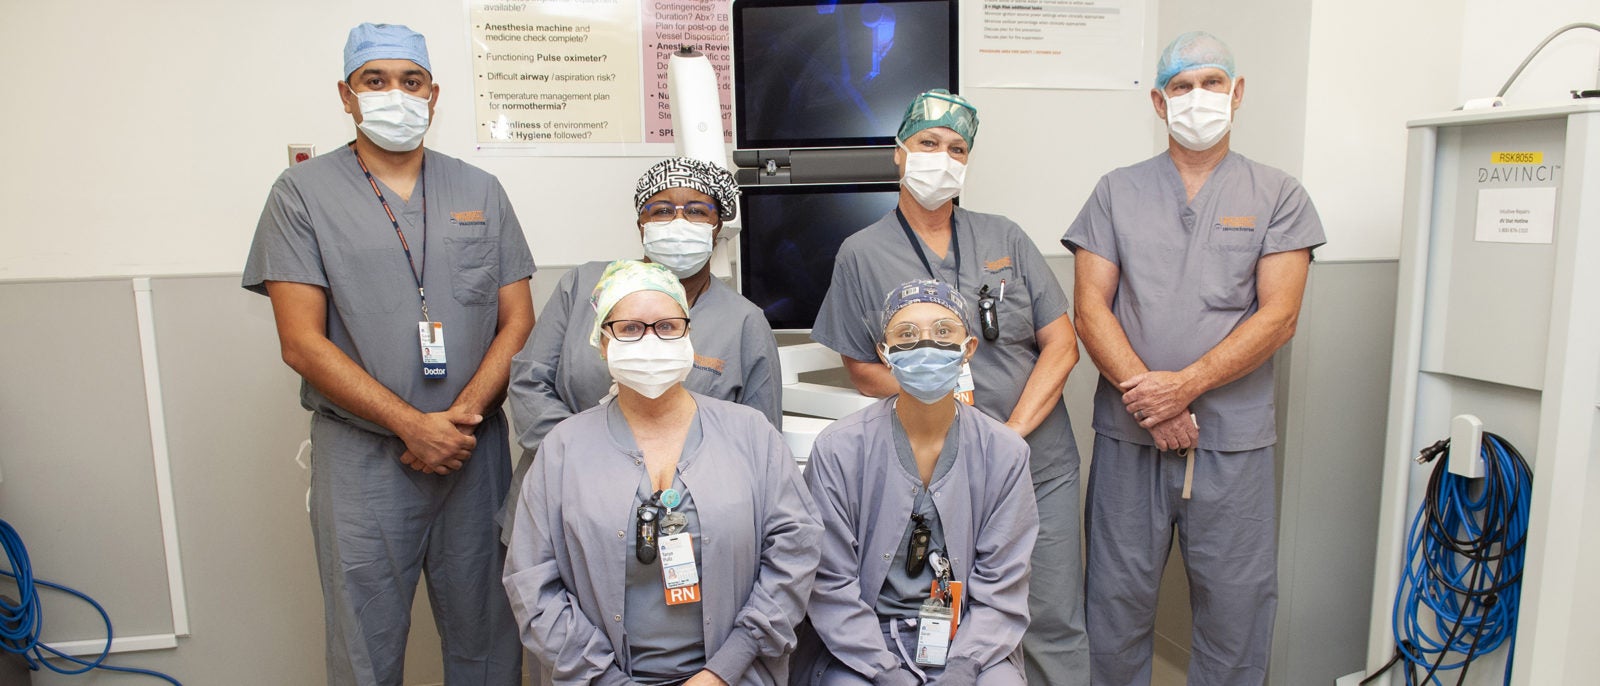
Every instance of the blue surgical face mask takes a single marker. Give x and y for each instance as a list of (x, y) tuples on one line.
[(928, 372)]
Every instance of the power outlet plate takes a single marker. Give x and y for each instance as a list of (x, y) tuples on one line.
[(300, 152)]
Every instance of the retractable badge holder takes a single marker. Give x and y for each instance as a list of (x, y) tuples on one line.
[(680, 575), (936, 621)]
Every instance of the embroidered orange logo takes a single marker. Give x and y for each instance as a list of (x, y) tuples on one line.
[(468, 217), (710, 364), (1238, 222), (999, 264)]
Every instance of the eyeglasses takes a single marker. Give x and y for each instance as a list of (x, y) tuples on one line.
[(906, 335), (663, 211), (630, 330)]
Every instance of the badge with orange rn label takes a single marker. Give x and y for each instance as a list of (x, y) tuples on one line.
[(680, 574), (964, 384)]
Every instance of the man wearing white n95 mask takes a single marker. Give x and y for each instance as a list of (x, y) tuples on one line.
[(399, 283), (1190, 268)]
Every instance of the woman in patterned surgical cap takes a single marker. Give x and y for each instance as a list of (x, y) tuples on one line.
[(664, 537), (680, 204)]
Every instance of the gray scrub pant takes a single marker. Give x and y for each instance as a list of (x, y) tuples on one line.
[(1055, 649), (378, 524), (1228, 534)]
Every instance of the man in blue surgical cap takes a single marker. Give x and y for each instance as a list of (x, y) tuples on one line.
[(399, 282), (1190, 268)]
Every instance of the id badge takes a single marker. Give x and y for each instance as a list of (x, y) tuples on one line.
[(431, 336), (933, 634), (964, 384), (678, 570)]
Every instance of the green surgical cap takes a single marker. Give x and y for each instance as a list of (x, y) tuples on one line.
[(940, 107), (626, 277), (1193, 50)]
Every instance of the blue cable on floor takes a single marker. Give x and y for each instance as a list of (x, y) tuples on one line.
[(21, 623), (1464, 557)]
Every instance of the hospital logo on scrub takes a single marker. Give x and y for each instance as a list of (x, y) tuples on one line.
[(710, 364), (468, 218), (1235, 224), (997, 265)]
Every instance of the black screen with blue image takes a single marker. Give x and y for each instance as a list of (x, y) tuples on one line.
[(841, 73)]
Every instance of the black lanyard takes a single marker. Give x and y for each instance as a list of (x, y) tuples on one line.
[(422, 187), (955, 245)]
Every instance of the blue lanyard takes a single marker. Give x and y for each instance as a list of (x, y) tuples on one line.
[(955, 245), (422, 187)]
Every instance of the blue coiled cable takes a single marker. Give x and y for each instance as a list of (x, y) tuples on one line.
[(21, 623), (1464, 558)]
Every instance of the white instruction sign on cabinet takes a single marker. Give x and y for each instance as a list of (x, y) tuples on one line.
[(1516, 215)]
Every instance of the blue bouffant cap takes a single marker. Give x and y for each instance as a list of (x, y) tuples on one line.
[(1193, 50), (369, 42)]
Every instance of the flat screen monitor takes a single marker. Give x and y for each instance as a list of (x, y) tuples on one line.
[(839, 73), (790, 237)]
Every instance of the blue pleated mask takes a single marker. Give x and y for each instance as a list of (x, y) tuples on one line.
[(929, 371)]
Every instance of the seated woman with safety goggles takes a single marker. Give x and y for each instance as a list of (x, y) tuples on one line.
[(662, 537), (929, 520)]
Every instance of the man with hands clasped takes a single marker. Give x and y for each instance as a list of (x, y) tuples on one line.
[(1190, 268)]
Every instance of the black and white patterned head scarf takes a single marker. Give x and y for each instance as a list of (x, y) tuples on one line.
[(685, 172)]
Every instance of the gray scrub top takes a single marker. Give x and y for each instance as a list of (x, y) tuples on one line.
[(566, 574), (864, 497), (878, 259), (558, 374), (1188, 279), (665, 644), (322, 225), (903, 594)]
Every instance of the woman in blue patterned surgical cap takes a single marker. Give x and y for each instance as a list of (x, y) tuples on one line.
[(663, 537), (924, 501), (1017, 374), (680, 205)]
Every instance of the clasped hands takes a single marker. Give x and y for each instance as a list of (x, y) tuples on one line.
[(1159, 401), (441, 442)]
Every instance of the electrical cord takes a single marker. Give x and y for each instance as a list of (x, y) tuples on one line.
[(1529, 59), (1464, 560), (22, 622)]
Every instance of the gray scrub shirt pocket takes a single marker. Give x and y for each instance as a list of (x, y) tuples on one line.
[(370, 281), (475, 263), (1016, 312), (1230, 276)]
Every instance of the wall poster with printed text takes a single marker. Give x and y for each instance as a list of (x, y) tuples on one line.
[(588, 77), (1076, 44)]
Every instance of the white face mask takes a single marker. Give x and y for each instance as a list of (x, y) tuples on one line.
[(680, 245), (932, 177), (393, 120), (1199, 118), (650, 365)]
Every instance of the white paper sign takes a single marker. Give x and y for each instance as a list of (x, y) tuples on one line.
[(1087, 44), (1516, 215)]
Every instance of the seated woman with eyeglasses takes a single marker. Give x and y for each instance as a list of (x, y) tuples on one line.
[(929, 520), (681, 204), (662, 537)]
